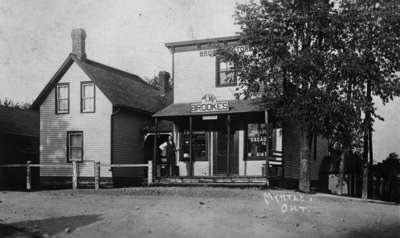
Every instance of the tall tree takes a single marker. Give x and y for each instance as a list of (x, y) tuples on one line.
[(367, 61), (318, 60), (289, 45)]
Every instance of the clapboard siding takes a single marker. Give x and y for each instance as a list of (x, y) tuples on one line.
[(201, 168), (322, 151), (291, 142), (96, 128), (255, 168), (195, 76), (291, 152), (128, 142)]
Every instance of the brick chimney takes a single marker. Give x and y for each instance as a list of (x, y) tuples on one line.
[(164, 76), (78, 43)]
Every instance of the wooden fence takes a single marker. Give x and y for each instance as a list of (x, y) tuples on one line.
[(74, 165)]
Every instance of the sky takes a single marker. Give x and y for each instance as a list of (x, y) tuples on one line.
[(125, 34)]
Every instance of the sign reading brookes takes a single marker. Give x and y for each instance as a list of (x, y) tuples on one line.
[(209, 103)]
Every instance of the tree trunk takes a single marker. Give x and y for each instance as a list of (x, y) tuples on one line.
[(365, 168), (365, 164), (305, 170), (366, 152), (341, 171), (371, 164)]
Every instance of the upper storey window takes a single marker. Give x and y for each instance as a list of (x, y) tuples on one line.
[(87, 97), (62, 98), (226, 74)]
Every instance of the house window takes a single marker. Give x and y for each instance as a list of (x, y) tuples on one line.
[(256, 141), (199, 145), (62, 98), (225, 75), (87, 97), (74, 146)]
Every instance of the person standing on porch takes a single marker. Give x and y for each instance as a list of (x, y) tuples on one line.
[(168, 152)]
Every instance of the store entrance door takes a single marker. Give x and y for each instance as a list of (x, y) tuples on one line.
[(224, 164)]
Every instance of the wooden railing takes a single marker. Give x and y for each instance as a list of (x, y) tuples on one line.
[(275, 161), (74, 166)]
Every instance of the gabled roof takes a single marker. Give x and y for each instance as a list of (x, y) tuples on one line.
[(121, 88), (19, 122)]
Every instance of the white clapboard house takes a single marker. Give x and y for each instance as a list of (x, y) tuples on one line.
[(93, 112)]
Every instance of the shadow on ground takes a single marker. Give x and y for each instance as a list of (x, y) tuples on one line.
[(376, 230), (51, 226)]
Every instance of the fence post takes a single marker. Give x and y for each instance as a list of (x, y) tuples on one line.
[(96, 175), (74, 175), (150, 172), (28, 175)]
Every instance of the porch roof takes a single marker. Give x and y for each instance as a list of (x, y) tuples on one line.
[(235, 106)]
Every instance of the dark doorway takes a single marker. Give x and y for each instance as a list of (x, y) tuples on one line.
[(221, 164), (149, 145), (161, 167)]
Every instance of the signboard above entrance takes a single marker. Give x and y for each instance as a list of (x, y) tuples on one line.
[(213, 117), (237, 49), (209, 103)]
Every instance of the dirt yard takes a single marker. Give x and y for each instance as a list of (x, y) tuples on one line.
[(191, 212)]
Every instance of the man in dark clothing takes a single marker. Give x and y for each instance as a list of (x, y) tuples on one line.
[(168, 150)]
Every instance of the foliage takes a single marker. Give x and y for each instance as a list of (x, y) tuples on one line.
[(6, 102), (389, 168), (316, 60), (155, 81), (366, 54)]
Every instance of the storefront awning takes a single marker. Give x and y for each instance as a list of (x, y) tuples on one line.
[(235, 106)]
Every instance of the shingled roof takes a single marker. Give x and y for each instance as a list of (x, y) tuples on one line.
[(121, 88), (19, 122)]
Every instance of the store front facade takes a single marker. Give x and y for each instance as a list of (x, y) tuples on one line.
[(231, 142), (217, 134)]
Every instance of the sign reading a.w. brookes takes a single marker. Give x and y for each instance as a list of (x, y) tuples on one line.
[(237, 49), (209, 103)]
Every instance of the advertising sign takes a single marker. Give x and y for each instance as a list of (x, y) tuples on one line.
[(209, 103)]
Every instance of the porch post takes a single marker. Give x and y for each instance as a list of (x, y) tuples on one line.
[(28, 175), (74, 175), (245, 145), (267, 144), (155, 148), (228, 132), (190, 172), (209, 146)]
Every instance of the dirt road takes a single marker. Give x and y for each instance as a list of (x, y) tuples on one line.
[(191, 212)]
